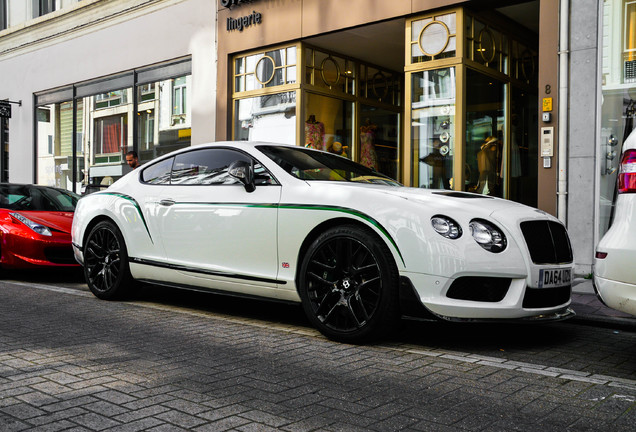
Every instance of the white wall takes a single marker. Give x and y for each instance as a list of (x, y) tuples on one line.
[(161, 31)]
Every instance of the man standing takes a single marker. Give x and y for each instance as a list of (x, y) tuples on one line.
[(132, 159)]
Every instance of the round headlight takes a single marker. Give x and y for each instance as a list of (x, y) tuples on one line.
[(487, 235), (446, 227)]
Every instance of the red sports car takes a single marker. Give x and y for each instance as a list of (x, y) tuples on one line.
[(35, 226)]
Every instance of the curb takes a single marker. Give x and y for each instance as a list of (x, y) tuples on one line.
[(604, 321)]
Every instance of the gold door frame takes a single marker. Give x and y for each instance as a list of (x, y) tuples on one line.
[(516, 56)]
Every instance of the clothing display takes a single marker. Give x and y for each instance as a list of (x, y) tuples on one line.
[(368, 155), (487, 165), (314, 134)]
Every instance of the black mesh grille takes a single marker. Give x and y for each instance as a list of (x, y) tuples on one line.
[(477, 288), (60, 255), (546, 297), (547, 241)]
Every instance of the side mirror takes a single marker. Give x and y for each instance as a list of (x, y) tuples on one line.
[(243, 172)]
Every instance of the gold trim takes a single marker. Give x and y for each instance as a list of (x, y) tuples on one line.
[(322, 71), (386, 85), (481, 49), (273, 70), (419, 37)]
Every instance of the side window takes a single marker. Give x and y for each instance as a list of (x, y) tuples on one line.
[(158, 173), (210, 167)]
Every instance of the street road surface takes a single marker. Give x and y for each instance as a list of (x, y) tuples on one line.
[(170, 360)]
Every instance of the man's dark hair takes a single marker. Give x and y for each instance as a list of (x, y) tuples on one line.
[(132, 153)]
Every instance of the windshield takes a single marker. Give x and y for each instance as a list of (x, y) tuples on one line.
[(314, 165), (36, 198)]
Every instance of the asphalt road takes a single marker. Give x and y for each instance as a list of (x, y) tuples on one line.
[(176, 360)]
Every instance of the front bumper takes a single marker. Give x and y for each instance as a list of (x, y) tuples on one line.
[(518, 302), (24, 252)]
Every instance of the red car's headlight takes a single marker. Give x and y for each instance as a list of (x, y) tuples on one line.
[(36, 227)]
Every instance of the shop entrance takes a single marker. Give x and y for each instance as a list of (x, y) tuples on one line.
[(442, 100), (472, 93)]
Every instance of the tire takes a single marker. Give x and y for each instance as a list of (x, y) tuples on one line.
[(106, 262), (348, 283)]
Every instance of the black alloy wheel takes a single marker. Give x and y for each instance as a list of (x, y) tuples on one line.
[(348, 285), (106, 262)]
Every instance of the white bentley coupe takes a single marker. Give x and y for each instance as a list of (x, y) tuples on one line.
[(356, 248)]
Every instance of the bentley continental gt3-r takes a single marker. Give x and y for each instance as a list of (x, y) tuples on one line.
[(356, 248)]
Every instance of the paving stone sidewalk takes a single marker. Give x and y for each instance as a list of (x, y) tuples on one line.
[(71, 362)]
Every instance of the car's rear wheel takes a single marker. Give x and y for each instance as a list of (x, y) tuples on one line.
[(106, 262), (348, 283)]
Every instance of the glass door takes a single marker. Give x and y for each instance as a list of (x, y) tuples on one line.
[(433, 100), (485, 134)]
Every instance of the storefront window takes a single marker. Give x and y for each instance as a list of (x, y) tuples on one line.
[(55, 144), (485, 135), (329, 125), (164, 117), (270, 117), (265, 69), (523, 149), (618, 110), (108, 136), (104, 125), (330, 71), (486, 45), (434, 38), (379, 139), (432, 127), (380, 85)]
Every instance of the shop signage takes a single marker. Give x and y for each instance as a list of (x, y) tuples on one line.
[(230, 3), (5, 109), (245, 21)]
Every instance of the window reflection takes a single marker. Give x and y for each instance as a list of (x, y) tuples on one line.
[(269, 118), (485, 134), (433, 119), (103, 130), (164, 117)]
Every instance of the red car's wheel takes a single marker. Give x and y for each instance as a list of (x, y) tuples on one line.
[(106, 262)]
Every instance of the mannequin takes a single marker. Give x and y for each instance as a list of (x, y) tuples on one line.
[(314, 133), (368, 155), (487, 165)]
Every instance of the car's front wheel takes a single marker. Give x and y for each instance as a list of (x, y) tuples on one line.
[(348, 283), (106, 262)]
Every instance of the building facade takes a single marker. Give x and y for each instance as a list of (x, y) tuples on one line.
[(525, 100), (94, 79)]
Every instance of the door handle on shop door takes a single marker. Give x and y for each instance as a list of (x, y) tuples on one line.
[(166, 202)]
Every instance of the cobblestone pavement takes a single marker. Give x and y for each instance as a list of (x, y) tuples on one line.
[(185, 361)]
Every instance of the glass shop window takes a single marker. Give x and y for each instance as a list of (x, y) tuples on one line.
[(329, 127), (270, 118), (433, 118), (164, 117)]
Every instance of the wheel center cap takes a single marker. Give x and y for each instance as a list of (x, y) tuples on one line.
[(347, 284)]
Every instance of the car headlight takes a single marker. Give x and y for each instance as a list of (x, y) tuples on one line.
[(487, 235), (446, 227), (40, 229)]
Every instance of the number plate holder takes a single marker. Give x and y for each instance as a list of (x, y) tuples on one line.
[(555, 278)]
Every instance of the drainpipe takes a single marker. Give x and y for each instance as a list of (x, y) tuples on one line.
[(564, 54)]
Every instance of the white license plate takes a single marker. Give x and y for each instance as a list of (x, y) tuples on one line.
[(554, 278)]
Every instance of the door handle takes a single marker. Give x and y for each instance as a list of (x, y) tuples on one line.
[(166, 202)]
